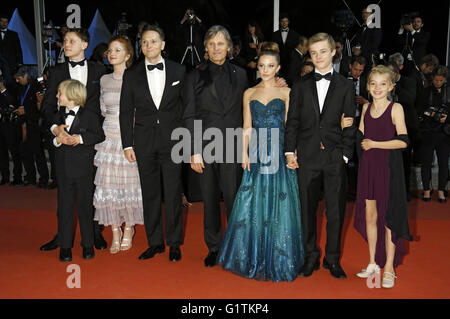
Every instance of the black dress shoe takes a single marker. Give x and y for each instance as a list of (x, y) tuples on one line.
[(52, 185), (308, 268), (335, 269), (442, 200), (151, 252), (174, 254), (210, 260), (51, 245), (42, 184), (88, 252), (65, 254), (4, 181), (29, 182), (17, 182), (99, 242)]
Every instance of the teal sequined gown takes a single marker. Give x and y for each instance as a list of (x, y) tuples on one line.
[(263, 239)]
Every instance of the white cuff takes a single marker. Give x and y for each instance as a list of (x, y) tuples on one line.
[(128, 148), (289, 153), (3, 91), (52, 128), (345, 159), (81, 139), (56, 143), (400, 31)]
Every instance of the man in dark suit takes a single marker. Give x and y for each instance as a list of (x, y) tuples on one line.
[(78, 68), (213, 95), (296, 60), (369, 37), (341, 61), (412, 37), (313, 130), (10, 46), (405, 93), (31, 149), (150, 109), (287, 40)]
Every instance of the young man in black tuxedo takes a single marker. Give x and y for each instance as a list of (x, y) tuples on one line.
[(78, 68), (74, 157), (313, 130), (150, 109), (287, 40), (10, 47), (213, 95)]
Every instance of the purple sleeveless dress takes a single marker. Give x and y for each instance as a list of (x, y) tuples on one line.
[(374, 183)]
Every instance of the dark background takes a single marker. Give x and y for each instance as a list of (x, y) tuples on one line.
[(307, 17)]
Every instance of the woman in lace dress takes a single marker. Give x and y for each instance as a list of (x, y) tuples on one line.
[(117, 197)]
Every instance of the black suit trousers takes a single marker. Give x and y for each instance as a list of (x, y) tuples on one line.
[(152, 168), (33, 154), (10, 140), (70, 190), (217, 179), (332, 175)]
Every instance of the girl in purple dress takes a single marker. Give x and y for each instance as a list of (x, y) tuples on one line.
[(381, 214)]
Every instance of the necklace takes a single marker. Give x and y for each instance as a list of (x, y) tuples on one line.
[(378, 110)]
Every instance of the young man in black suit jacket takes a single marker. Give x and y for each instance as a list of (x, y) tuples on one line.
[(313, 130), (10, 46), (213, 95), (77, 67), (287, 40), (150, 109), (74, 157)]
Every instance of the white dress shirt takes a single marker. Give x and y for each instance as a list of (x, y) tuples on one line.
[(284, 35), (3, 33), (79, 73), (156, 82), (322, 88), (69, 121)]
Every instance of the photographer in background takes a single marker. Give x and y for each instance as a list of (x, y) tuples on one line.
[(404, 93), (191, 20), (31, 148), (10, 135), (412, 40), (435, 131)]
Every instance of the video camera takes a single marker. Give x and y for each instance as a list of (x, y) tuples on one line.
[(436, 113), (407, 18), (7, 114), (42, 85), (123, 26)]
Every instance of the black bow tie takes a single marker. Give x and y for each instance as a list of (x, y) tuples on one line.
[(159, 66), (286, 30), (319, 76), (70, 113), (74, 64)]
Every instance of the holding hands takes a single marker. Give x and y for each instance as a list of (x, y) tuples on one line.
[(291, 161)]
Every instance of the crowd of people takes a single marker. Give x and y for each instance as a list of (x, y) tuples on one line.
[(340, 126)]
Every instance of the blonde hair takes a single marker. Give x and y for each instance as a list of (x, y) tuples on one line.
[(270, 46), (383, 70), (322, 37), (74, 91)]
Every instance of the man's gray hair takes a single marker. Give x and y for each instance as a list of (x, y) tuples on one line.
[(397, 58), (214, 30)]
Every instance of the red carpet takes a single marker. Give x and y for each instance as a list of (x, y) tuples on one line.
[(28, 219)]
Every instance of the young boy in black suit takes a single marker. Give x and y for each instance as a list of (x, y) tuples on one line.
[(74, 158)]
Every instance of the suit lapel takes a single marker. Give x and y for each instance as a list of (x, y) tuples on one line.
[(206, 77), (169, 80), (76, 121), (315, 97), (329, 92)]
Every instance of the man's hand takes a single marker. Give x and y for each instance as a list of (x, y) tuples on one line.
[(408, 27), (291, 161), (252, 65), (39, 99), (252, 45), (20, 110), (2, 86), (130, 155), (443, 118), (197, 163), (360, 100), (280, 82)]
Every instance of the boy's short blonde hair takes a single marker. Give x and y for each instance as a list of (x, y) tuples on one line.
[(74, 90), (384, 70), (322, 37)]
